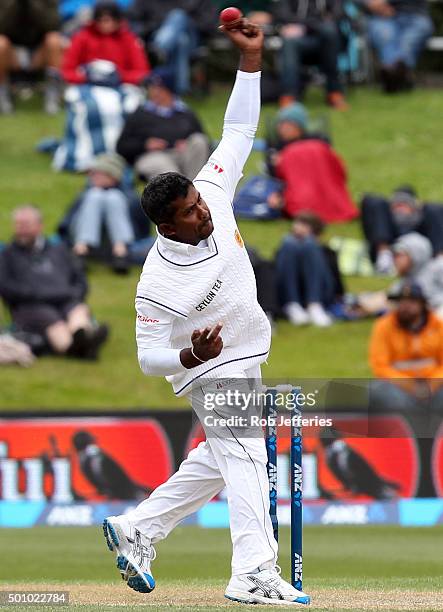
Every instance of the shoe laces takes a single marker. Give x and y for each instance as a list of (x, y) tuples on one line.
[(274, 575)]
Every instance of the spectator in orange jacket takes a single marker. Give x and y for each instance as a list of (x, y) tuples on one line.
[(406, 349), (107, 38)]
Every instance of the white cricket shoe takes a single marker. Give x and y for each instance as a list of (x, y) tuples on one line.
[(265, 587), (134, 553)]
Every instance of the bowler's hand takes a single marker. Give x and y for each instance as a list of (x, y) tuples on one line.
[(207, 343), (247, 36)]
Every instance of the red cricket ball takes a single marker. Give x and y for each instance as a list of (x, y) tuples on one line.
[(230, 14)]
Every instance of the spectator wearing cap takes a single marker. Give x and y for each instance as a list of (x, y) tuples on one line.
[(414, 263), (307, 274), (106, 39), (291, 125), (385, 219), (163, 135), (45, 288), (104, 203), (313, 175), (406, 354), (34, 25)]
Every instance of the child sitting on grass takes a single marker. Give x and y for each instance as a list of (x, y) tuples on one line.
[(104, 202)]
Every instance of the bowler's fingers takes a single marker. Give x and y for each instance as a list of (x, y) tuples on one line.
[(243, 26), (237, 24), (214, 332), (218, 344), (195, 335), (250, 29)]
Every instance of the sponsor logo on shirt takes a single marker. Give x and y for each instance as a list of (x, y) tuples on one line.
[(215, 167), (144, 319), (211, 295), (238, 239)]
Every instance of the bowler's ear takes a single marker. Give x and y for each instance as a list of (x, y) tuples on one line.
[(167, 230)]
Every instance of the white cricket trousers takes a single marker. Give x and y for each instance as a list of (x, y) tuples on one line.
[(240, 465)]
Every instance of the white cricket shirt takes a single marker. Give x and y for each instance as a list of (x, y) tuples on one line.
[(184, 287)]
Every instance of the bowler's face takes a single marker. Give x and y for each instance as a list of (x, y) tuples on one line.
[(192, 220)]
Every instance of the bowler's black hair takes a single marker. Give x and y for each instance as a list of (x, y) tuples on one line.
[(160, 193), (107, 7)]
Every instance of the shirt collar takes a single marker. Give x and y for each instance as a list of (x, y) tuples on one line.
[(181, 252)]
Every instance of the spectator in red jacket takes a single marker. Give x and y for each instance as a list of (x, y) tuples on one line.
[(314, 176), (107, 38)]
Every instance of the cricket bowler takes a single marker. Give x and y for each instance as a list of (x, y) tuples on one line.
[(199, 322)]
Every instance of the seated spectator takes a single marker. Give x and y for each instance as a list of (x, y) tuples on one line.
[(33, 24), (163, 135), (307, 274), (414, 264), (398, 31), (173, 31), (314, 176), (385, 219), (45, 288), (104, 202), (310, 35), (106, 39), (406, 351)]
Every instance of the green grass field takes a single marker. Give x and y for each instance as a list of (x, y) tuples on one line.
[(385, 142), (354, 568)]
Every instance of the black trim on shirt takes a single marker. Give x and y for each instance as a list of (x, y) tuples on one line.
[(221, 364), (142, 297), (193, 263)]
